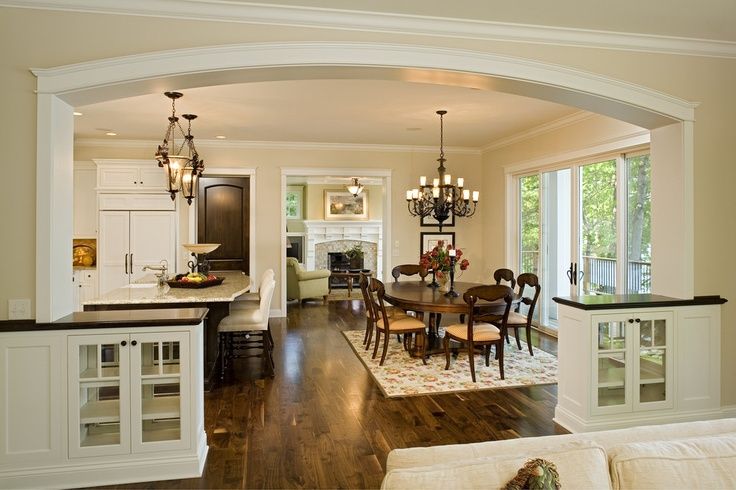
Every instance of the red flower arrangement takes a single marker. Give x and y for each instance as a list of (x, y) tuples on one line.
[(438, 259)]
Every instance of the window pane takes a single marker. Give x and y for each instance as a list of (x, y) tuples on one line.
[(639, 246), (530, 224), (598, 228)]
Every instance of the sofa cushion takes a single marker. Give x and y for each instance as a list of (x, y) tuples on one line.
[(703, 462), (579, 464)]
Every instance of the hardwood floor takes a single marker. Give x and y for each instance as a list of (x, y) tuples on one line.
[(321, 422)]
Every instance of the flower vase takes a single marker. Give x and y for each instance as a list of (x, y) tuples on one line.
[(444, 283)]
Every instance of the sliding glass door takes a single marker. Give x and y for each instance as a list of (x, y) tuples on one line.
[(571, 232)]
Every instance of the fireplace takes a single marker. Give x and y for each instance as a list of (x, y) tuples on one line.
[(327, 237)]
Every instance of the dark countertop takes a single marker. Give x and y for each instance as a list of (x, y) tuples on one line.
[(621, 301), (115, 319)]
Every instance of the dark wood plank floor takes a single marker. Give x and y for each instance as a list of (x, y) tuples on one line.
[(322, 422)]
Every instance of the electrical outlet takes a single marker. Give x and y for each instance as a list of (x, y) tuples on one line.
[(19, 309)]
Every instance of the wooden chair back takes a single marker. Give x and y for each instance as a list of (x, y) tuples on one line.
[(374, 299), (504, 275), (408, 270), (492, 292), (364, 284), (532, 281)]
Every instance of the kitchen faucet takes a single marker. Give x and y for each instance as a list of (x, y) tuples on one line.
[(163, 271)]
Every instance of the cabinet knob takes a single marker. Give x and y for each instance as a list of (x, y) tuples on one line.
[(135, 181), (123, 343), (133, 342), (631, 320), (637, 320)]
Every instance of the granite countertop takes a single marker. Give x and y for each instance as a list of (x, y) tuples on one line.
[(145, 291)]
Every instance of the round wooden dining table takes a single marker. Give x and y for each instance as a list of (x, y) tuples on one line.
[(419, 297)]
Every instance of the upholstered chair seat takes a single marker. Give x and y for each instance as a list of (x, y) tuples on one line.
[(482, 332)]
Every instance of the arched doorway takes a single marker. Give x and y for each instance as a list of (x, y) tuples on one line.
[(59, 89)]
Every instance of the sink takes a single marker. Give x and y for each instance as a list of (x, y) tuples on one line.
[(143, 285)]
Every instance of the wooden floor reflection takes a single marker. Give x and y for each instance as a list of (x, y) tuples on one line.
[(321, 422)]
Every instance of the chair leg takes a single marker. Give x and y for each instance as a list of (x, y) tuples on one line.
[(518, 340), (499, 353), (471, 359), (529, 339), (324, 299), (385, 349), (488, 354), (378, 340), (446, 341), (367, 330), (425, 341), (370, 336), (222, 356)]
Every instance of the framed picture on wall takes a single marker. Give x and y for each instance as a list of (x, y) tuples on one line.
[(341, 205), (294, 201), (430, 221), (430, 239)]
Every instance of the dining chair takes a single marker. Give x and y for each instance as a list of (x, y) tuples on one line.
[(518, 320), (409, 270), (504, 275), (388, 324), (370, 317), (247, 329), (477, 333)]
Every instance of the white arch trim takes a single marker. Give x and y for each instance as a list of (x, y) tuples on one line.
[(104, 79), (63, 87)]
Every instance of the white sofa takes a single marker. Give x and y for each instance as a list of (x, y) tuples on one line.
[(684, 455)]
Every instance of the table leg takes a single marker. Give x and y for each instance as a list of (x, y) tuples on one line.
[(350, 286)]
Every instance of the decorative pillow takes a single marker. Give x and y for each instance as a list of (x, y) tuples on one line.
[(536, 474), (581, 464), (703, 462)]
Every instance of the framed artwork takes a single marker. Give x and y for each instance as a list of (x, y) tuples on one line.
[(430, 221), (343, 205), (429, 240), (294, 201)]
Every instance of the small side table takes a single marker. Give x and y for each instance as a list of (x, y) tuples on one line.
[(348, 276)]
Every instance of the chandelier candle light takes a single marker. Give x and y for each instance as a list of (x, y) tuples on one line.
[(441, 199), (182, 169)]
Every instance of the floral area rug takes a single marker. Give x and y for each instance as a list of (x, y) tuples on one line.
[(403, 375)]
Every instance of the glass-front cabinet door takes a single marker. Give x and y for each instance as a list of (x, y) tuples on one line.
[(633, 365), (611, 377), (160, 399), (99, 398)]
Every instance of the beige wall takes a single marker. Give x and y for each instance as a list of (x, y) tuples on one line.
[(46, 39)]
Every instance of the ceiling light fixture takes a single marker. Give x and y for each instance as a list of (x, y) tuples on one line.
[(220, 137), (441, 199), (183, 167), (355, 187), (111, 133), (77, 113)]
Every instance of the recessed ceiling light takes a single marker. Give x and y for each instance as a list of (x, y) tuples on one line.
[(77, 113), (220, 137), (413, 129), (110, 133)]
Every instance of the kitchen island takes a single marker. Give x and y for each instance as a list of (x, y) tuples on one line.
[(101, 398), (146, 295)]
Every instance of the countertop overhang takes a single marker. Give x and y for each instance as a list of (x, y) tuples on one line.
[(622, 301)]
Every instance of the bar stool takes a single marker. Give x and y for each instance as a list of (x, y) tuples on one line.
[(253, 295), (246, 329)]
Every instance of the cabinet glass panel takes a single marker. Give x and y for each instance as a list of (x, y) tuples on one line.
[(611, 335), (652, 361), (99, 395), (160, 390), (611, 379)]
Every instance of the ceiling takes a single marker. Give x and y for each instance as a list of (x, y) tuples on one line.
[(365, 112)]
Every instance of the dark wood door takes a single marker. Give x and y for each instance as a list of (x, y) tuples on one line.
[(223, 216)]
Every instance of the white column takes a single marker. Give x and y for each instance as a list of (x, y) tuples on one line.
[(54, 200)]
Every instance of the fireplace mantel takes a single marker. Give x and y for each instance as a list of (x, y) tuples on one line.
[(320, 231)]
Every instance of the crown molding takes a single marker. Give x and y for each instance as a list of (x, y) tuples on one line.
[(536, 131), (274, 145), (350, 20)]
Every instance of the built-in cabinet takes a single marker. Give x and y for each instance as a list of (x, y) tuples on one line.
[(84, 287), (130, 240), (637, 359), (119, 176), (93, 406)]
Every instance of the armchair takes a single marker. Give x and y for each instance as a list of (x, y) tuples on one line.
[(302, 284)]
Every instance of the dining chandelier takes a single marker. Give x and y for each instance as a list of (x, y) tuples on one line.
[(180, 163), (441, 199)]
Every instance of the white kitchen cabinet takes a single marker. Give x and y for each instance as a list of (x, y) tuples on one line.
[(129, 240), (637, 359), (84, 284), (147, 176), (129, 393)]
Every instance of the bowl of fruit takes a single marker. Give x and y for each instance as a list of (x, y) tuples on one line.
[(195, 280)]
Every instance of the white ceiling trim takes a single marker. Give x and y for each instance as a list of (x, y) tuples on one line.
[(539, 130), (387, 22), (274, 145), (74, 82)]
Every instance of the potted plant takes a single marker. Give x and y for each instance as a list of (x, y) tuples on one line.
[(355, 255)]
